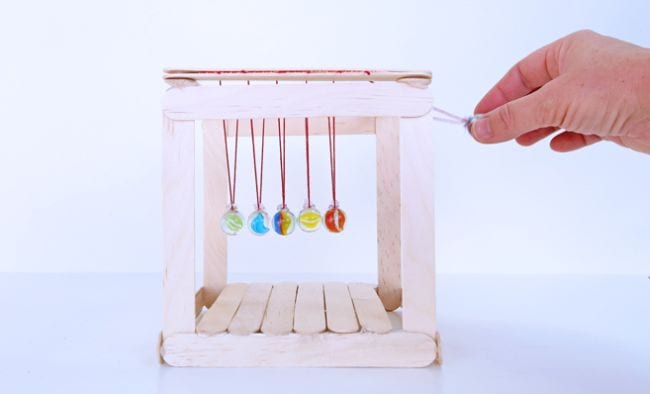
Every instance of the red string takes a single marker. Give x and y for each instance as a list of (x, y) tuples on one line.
[(307, 158), (262, 161), (282, 143), (331, 134), (232, 182), (258, 186)]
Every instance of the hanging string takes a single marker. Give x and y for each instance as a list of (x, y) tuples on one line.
[(232, 183), (335, 217), (331, 134), (258, 186), (282, 143), (307, 159), (455, 119)]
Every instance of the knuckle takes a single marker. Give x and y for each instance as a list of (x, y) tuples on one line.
[(506, 117), (546, 112), (553, 111), (582, 34)]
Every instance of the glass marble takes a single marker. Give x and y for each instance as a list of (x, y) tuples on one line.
[(309, 219), (259, 222), (232, 222), (335, 219), (284, 222)]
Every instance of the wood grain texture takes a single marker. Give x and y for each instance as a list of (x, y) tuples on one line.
[(418, 253), (198, 302), (296, 126), (297, 100), (250, 314), (339, 311), (310, 309), (395, 349), (278, 319), (200, 74), (370, 311), (181, 82), (388, 213), (178, 226), (215, 199), (217, 318)]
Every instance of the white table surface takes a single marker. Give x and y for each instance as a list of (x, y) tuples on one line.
[(96, 333)]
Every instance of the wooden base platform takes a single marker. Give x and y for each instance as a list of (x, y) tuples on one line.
[(394, 349), (308, 324)]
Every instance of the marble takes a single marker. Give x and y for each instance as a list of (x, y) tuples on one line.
[(284, 222), (335, 219), (232, 222), (259, 222), (310, 219)]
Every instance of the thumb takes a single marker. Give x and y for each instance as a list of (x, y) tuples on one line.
[(531, 112)]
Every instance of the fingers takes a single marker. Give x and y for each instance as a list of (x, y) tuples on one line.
[(520, 116), (528, 75), (535, 136), (569, 141)]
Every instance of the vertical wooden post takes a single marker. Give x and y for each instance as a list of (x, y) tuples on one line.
[(214, 203), (418, 269), (178, 226), (388, 212)]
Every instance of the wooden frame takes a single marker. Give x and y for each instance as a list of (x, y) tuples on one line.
[(306, 324)]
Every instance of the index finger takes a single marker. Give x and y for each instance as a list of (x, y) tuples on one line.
[(526, 76)]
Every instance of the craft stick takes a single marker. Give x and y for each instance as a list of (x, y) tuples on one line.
[(339, 311), (217, 318), (418, 240), (215, 261), (310, 309), (395, 349), (370, 311), (296, 126), (297, 101), (389, 286), (178, 226), (296, 75), (278, 319), (248, 318)]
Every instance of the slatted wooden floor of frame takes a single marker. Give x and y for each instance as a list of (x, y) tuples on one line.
[(306, 324), (283, 308)]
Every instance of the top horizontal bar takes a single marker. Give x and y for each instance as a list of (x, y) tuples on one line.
[(350, 99), (197, 74)]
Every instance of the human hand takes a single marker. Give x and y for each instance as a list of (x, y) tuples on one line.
[(590, 86)]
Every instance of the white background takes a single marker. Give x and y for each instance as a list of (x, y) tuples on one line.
[(80, 88)]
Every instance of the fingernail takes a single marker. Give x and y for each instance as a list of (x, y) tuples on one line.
[(481, 129)]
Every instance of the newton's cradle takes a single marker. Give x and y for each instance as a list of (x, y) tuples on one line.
[(390, 323)]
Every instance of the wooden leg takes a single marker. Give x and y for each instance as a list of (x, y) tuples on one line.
[(178, 226), (418, 270), (388, 212), (214, 204)]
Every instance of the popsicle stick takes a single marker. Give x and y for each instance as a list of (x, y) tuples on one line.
[(296, 75), (279, 311), (178, 226), (310, 309), (215, 244), (218, 317), (389, 286), (395, 349), (370, 311), (354, 125), (248, 318), (297, 100), (339, 311), (418, 240)]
